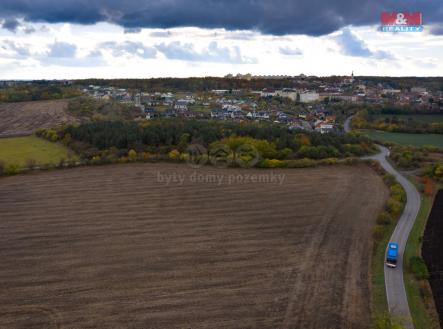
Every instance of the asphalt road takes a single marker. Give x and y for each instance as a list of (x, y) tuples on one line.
[(395, 287)]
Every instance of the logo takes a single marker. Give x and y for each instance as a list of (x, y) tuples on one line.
[(401, 22)]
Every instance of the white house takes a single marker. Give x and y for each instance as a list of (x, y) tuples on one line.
[(418, 90), (308, 97), (288, 93)]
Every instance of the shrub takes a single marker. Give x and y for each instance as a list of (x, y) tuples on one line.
[(96, 160), (132, 155), (12, 169), (438, 171), (123, 160), (2, 168), (393, 206), (418, 268), (145, 156), (174, 155), (67, 139), (398, 193), (329, 161), (384, 218), (49, 134), (185, 157), (111, 158), (389, 179), (378, 232), (284, 154), (273, 163), (351, 161)]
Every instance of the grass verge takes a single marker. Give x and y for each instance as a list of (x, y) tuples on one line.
[(379, 301), (419, 295)]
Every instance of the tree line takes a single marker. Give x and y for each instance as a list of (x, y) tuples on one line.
[(395, 123), (115, 139), (36, 92)]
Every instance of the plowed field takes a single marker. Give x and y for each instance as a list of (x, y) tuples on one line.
[(124, 247), (17, 119)]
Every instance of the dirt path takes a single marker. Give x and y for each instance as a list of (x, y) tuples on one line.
[(117, 247)]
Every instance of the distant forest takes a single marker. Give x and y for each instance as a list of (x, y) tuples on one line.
[(36, 92), (211, 83), (45, 90)]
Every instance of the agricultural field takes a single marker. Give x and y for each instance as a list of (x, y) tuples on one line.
[(426, 118), (417, 140), (24, 118), (168, 246), (19, 150)]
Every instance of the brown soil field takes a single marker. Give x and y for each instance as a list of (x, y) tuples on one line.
[(17, 119), (120, 247)]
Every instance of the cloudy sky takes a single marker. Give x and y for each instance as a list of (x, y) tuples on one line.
[(65, 39)]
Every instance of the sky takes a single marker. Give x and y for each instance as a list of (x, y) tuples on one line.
[(75, 39)]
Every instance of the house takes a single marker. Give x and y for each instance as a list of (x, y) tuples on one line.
[(308, 97), (419, 90), (150, 113), (181, 105), (170, 113), (326, 128), (268, 92), (287, 93), (217, 114), (390, 91), (323, 127), (258, 115)]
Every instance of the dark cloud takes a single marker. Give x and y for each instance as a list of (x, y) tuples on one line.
[(129, 48), (312, 17), (288, 51), (351, 45), (11, 24), (213, 53)]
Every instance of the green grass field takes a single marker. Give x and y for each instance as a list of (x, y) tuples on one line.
[(18, 150), (427, 118), (406, 139), (379, 301)]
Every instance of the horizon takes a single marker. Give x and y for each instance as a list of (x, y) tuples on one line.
[(260, 77)]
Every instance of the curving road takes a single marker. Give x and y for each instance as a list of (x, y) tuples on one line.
[(395, 287)]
